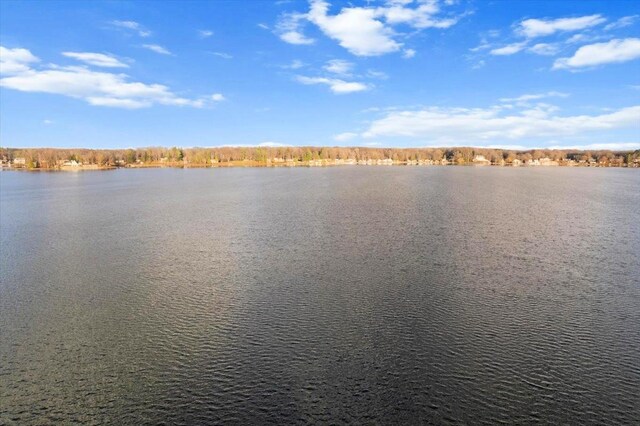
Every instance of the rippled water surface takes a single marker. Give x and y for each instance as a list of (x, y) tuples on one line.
[(333, 295)]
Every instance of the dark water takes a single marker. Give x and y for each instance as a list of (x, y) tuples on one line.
[(341, 295)]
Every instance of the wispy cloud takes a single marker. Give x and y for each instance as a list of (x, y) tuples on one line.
[(336, 85), (222, 55), (545, 49), (614, 146), (294, 65), (625, 21), (94, 87), (133, 26), (535, 96), (157, 48), (509, 49), (205, 33), (532, 28), (339, 66), (289, 29), (96, 59), (377, 74), (408, 53), (344, 137), (613, 51), (495, 123)]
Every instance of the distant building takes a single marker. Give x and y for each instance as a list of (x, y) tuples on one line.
[(479, 160), (19, 162), (71, 163), (516, 163), (548, 162), (533, 162)]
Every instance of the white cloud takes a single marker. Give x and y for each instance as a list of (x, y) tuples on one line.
[(532, 28), (336, 85), (613, 51), (271, 144), (132, 25), (338, 66), (95, 87), (295, 37), (118, 102), (468, 125), (15, 61), (97, 59), (531, 97), (267, 144), (545, 49), (364, 31), (263, 26), (218, 97), (344, 137), (615, 146), (205, 33), (289, 28), (47, 122), (509, 49), (157, 48), (625, 21), (408, 53), (421, 16), (355, 28)]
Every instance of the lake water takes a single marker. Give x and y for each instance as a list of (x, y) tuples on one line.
[(330, 295)]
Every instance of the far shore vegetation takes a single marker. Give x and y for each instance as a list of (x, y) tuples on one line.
[(87, 159)]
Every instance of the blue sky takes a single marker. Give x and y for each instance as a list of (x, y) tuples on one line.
[(379, 73)]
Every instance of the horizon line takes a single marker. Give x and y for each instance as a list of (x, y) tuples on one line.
[(623, 146)]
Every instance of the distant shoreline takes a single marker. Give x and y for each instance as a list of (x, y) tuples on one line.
[(158, 157), (252, 164)]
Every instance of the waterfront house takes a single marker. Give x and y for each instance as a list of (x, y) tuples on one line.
[(516, 162), (480, 160), (548, 162), (19, 162)]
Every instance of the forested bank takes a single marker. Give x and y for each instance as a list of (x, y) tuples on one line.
[(50, 158)]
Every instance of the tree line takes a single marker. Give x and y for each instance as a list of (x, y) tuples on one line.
[(175, 156)]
